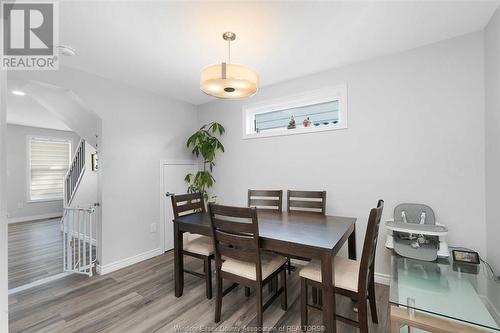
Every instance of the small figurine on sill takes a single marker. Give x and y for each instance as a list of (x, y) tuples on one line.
[(291, 124), (306, 122)]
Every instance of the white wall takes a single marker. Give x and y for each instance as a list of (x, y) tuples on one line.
[(18, 207), (138, 129), (67, 107), (415, 134), (4, 310), (492, 79)]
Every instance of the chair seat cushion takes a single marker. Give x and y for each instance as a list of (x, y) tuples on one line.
[(346, 273), (270, 263), (200, 245)]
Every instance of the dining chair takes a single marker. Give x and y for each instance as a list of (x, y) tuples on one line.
[(271, 200), (309, 201), (196, 246), (268, 200), (354, 279), (238, 257)]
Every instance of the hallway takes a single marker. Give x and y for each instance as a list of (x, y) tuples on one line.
[(35, 251)]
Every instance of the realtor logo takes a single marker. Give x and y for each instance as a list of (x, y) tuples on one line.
[(29, 36)]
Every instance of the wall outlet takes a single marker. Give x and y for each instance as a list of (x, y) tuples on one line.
[(153, 227), (20, 205)]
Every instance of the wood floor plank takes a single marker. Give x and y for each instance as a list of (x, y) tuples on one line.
[(140, 299), (35, 251)]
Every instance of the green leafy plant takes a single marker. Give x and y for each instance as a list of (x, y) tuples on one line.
[(204, 142)]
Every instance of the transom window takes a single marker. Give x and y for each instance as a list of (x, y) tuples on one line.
[(315, 111), (48, 164)]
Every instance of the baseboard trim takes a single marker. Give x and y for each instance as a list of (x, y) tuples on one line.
[(119, 264), (38, 282), (383, 278), (122, 263), (33, 218)]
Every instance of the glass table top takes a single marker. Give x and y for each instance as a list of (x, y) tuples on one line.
[(461, 292)]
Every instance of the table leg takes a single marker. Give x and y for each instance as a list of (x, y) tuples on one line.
[(178, 261), (394, 323), (351, 244), (327, 272), (395, 327)]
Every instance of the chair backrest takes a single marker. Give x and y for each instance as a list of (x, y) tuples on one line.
[(310, 201), (185, 204), (235, 232), (367, 265), (266, 199)]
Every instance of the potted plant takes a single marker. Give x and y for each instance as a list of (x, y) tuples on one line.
[(204, 142)]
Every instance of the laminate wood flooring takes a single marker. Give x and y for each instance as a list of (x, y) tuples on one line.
[(140, 298), (35, 251)]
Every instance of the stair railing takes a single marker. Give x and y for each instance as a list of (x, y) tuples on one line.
[(74, 174)]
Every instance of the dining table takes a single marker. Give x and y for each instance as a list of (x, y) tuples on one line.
[(296, 234), (443, 296)]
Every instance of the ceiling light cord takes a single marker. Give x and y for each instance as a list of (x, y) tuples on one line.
[(229, 51)]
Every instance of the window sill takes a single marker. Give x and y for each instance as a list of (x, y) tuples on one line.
[(43, 200), (300, 130)]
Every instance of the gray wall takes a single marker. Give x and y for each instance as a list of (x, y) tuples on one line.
[(492, 75), (17, 172), (138, 129), (415, 134)]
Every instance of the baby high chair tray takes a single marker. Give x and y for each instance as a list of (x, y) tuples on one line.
[(414, 233)]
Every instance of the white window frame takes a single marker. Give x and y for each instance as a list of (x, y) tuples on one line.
[(29, 199), (327, 94)]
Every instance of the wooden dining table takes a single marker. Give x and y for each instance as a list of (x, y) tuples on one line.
[(296, 234)]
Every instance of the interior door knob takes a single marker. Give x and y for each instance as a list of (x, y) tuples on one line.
[(169, 194)]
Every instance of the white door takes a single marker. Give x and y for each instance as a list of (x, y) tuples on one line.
[(173, 174)]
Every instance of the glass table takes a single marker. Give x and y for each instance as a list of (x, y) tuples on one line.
[(452, 297)]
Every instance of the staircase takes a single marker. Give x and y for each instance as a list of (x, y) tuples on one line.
[(78, 224), (75, 174)]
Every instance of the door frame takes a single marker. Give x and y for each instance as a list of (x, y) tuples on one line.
[(163, 199)]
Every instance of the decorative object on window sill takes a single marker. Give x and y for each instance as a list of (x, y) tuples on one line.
[(306, 122), (291, 124), (227, 80), (324, 109), (204, 142)]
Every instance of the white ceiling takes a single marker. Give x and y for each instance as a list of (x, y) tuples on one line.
[(162, 46), (23, 110)]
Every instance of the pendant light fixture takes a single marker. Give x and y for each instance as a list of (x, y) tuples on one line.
[(227, 80)]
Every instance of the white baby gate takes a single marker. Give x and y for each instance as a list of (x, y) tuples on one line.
[(79, 240)]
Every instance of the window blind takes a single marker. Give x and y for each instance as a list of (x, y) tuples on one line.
[(318, 114), (49, 162)]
